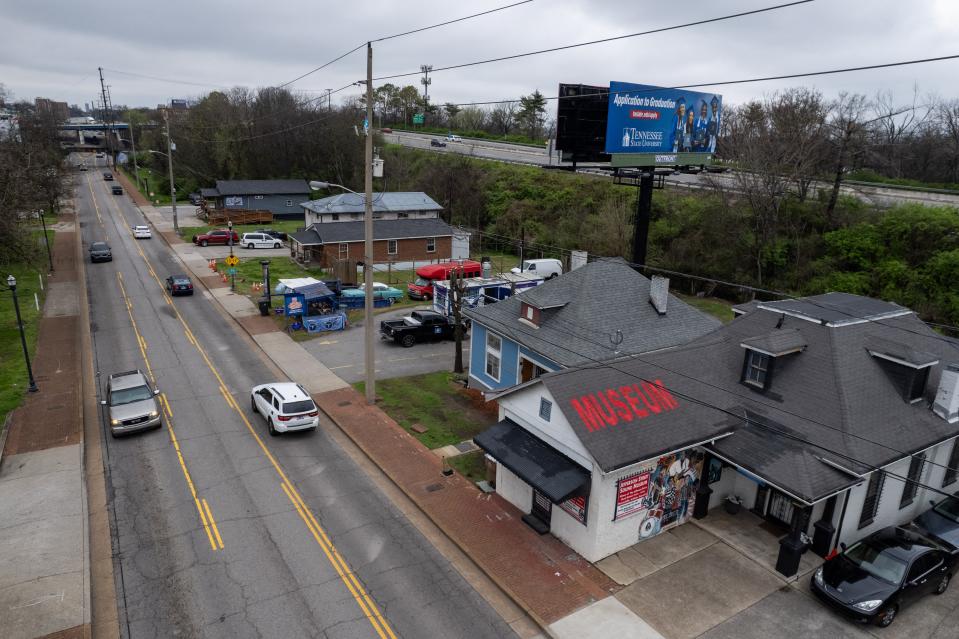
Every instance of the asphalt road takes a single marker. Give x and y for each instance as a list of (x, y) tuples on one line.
[(342, 352), (225, 531)]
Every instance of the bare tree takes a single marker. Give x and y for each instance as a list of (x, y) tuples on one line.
[(846, 126)]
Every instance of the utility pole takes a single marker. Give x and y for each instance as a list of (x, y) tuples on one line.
[(169, 159), (644, 208), (103, 93), (426, 82), (329, 99), (133, 145), (368, 235)]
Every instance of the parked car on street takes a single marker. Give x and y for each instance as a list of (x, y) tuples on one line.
[(131, 403), (871, 580), (142, 232), (418, 326), (259, 240), (546, 268), (179, 285), (941, 523), (101, 155), (195, 199), (108, 176), (116, 190), (435, 142), (216, 236), (280, 235), (381, 291), (285, 406), (100, 252)]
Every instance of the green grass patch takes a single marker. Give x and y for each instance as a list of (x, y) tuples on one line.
[(471, 465), (718, 308), (13, 368), (150, 184), (434, 400), (287, 226)]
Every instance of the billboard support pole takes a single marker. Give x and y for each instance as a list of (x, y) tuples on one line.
[(644, 209)]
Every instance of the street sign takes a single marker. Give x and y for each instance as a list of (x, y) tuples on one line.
[(231, 271), (232, 260), (418, 118)]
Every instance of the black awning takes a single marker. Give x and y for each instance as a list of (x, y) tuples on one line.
[(534, 461)]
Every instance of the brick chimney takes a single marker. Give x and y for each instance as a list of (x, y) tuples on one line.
[(659, 293), (946, 404)]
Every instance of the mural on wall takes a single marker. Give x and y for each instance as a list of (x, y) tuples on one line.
[(662, 492)]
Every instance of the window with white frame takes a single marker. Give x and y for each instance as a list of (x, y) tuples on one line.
[(257, 197), (545, 409), (431, 245), (289, 202), (344, 250), (391, 248), (494, 346), (756, 370)]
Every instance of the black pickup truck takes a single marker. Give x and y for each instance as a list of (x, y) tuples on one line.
[(418, 326)]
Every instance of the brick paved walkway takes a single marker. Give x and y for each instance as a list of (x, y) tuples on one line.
[(540, 573)]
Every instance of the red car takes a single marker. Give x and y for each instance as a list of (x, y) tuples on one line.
[(216, 236)]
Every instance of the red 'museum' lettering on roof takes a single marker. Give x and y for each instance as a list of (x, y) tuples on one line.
[(611, 406)]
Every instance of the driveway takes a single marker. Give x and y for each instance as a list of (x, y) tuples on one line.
[(342, 352)]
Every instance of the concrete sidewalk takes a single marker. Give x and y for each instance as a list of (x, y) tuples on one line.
[(44, 558), (560, 590)]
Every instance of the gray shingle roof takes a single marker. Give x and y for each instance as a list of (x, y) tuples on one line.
[(777, 342), (207, 192), (898, 350), (837, 308), (262, 187), (336, 232), (833, 401), (598, 300), (356, 203)]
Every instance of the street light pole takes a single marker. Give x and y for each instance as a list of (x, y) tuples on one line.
[(12, 283), (169, 158), (368, 234), (231, 267), (46, 240)]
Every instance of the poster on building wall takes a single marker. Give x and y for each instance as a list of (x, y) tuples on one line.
[(576, 507), (232, 200), (662, 493)]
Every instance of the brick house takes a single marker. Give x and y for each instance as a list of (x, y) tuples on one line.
[(401, 243)]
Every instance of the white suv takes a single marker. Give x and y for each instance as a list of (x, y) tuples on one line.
[(285, 406), (259, 240)]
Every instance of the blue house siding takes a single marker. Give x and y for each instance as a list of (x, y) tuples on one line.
[(509, 359), (277, 204)]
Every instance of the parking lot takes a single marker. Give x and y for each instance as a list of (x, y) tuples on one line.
[(342, 352)]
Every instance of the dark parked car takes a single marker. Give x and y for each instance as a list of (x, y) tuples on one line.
[(116, 190), (280, 235), (872, 579), (108, 176), (195, 199), (179, 285), (435, 142), (100, 252), (941, 522), (216, 236), (418, 326)]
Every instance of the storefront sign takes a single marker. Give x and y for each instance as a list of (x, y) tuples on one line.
[(630, 493), (623, 404), (576, 507)]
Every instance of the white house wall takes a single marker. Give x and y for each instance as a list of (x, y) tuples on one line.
[(513, 489), (523, 408)]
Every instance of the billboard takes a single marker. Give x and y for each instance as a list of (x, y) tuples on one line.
[(648, 126), (581, 123)]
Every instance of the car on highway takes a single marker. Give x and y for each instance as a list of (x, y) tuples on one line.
[(116, 190), (216, 236), (179, 285), (142, 232), (259, 240), (386, 129), (941, 523), (131, 403), (874, 578), (285, 406), (453, 138), (108, 176), (435, 142), (418, 326), (100, 252), (381, 291)]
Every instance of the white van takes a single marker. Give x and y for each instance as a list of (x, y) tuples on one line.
[(546, 268), (259, 240)]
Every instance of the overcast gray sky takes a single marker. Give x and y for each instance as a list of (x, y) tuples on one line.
[(52, 48)]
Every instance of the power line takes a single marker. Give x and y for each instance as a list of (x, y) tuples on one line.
[(168, 80), (807, 74), (397, 35), (604, 40)]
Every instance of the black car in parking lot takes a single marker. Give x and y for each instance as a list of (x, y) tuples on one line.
[(100, 252), (872, 579), (941, 523)]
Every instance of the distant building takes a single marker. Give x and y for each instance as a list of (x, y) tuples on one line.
[(281, 197), (59, 110), (350, 207)]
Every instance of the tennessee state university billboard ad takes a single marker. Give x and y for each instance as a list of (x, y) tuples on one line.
[(657, 126)]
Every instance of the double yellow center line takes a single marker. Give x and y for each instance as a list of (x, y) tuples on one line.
[(346, 574)]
